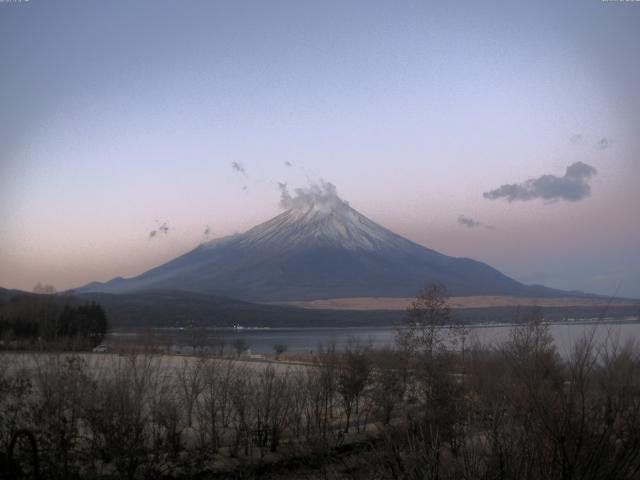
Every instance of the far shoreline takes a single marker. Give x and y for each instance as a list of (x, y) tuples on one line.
[(457, 302)]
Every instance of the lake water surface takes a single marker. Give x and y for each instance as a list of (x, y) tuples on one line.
[(307, 340)]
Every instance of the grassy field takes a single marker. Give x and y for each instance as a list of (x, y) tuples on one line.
[(391, 303)]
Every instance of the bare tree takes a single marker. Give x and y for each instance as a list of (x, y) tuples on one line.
[(353, 376), (387, 392), (119, 414), (16, 387), (429, 324), (218, 343), (215, 405), (189, 377), (279, 349), (61, 381), (240, 346), (272, 404), (197, 338)]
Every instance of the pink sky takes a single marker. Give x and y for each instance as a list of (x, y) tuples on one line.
[(120, 116)]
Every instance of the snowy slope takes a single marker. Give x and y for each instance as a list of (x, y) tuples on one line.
[(323, 223)]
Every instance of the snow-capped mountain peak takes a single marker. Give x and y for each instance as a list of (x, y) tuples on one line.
[(317, 216)]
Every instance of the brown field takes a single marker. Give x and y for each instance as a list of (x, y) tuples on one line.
[(392, 303), (110, 362)]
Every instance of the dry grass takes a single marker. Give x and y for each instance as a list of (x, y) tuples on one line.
[(392, 303)]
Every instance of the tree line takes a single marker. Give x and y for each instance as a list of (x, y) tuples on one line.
[(50, 321)]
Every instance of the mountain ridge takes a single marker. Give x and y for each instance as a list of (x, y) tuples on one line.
[(319, 247)]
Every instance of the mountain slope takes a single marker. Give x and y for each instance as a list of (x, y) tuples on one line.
[(319, 247)]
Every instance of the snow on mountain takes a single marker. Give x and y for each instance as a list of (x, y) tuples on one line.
[(316, 217), (324, 223), (319, 247)]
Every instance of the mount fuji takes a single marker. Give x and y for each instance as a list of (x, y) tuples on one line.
[(319, 248)]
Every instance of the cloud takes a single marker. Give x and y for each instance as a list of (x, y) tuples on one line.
[(238, 167), (468, 222), (288, 163), (285, 197), (576, 138), (321, 195), (162, 229), (573, 186), (604, 143), (471, 223)]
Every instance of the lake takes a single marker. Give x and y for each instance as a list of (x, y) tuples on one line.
[(307, 340)]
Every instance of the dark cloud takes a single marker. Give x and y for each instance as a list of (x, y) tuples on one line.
[(471, 223), (573, 186), (288, 163), (604, 143), (238, 167), (468, 222), (161, 229), (576, 138)]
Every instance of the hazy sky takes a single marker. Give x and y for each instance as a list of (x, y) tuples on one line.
[(451, 123)]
